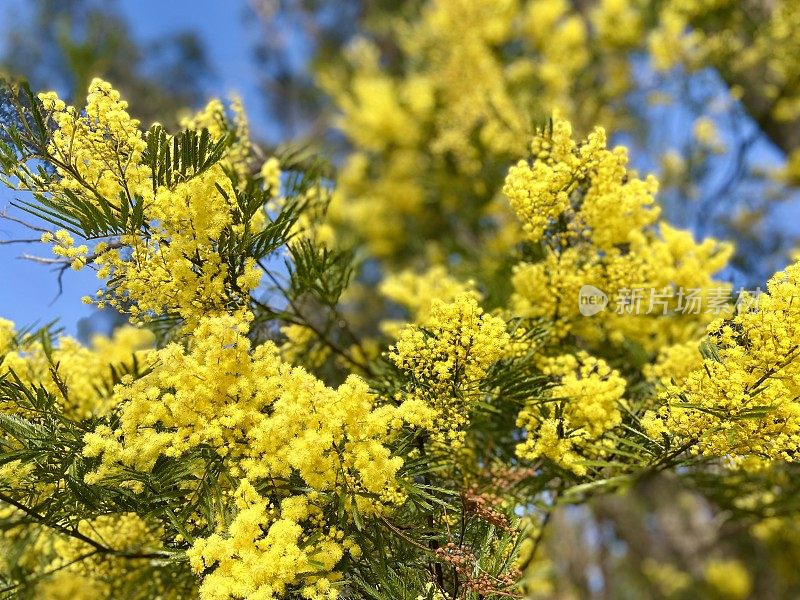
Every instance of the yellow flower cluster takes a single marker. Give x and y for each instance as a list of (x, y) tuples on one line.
[(742, 401), (178, 268), (90, 146), (447, 356), (214, 118), (171, 264), (674, 363), (566, 427), (65, 246), (272, 422), (87, 372), (269, 550), (82, 390), (540, 192), (597, 223), (613, 204), (433, 133), (416, 293), (301, 459)]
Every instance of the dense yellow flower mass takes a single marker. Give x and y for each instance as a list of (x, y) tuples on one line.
[(540, 192), (272, 423), (577, 412), (255, 564), (447, 356), (598, 225), (461, 107), (89, 143), (87, 371), (436, 116), (742, 400), (170, 257)]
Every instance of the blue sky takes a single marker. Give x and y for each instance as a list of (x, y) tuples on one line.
[(29, 291)]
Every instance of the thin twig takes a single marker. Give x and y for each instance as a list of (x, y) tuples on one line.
[(44, 260), (74, 533), (20, 241), (4, 215), (322, 336)]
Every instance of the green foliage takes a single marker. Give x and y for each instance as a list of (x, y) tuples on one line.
[(186, 155), (321, 272)]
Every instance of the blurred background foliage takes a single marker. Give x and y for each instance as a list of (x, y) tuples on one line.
[(716, 127), (63, 44)]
